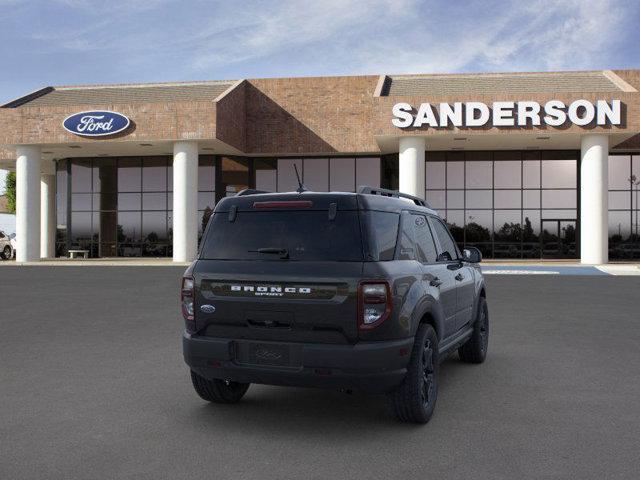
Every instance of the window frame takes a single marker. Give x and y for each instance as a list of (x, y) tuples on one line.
[(433, 218)]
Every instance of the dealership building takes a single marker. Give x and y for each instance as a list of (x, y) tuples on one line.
[(521, 165)]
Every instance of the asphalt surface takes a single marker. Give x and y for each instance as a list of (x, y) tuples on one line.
[(92, 385)]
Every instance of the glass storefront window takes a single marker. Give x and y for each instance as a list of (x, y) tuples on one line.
[(506, 196), (455, 199), (342, 175), (559, 174), (316, 174), (122, 206), (507, 174), (479, 199), (266, 174), (437, 199), (455, 174), (154, 174), (81, 175), (479, 174), (368, 171), (624, 202), (287, 181), (531, 198), (531, 174), (435, 172), (507, 199), (129, 174)]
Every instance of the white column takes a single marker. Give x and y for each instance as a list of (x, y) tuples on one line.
[(185, 201), (411, 159), (594, 209), (28, 203), (48, 212)]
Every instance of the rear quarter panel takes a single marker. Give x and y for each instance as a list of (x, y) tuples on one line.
[(412, 299)]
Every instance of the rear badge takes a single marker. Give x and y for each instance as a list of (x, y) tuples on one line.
[(269, 291), (207, 308)]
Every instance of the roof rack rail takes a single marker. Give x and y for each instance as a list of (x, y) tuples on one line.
[(250, 191), (365, 190)]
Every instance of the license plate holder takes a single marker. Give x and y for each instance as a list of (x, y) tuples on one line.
[(271, 354)]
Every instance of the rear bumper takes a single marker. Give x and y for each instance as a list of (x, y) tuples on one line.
[(373, 367)]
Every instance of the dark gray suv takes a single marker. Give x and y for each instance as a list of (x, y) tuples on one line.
[(355, 291)]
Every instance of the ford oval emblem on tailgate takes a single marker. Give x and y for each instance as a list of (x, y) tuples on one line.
[(207, 308)]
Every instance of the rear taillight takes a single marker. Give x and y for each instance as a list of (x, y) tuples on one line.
[(374, 304), (186, 298)]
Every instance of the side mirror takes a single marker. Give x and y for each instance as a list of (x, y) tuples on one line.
[(471, 255)]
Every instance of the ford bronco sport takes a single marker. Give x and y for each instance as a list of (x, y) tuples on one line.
[(357, 291)]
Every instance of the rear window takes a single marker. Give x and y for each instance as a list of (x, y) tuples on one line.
[(304, 235)]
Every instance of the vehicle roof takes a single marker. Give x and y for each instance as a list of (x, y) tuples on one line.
[(322, 200)]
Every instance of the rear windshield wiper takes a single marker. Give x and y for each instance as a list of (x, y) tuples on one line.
[(283, 252)]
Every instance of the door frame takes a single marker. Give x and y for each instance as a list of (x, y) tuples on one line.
[(558, 222)]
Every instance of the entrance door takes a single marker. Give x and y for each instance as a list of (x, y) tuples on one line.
[(558, 238)]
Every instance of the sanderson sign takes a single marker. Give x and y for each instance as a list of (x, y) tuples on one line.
[(96, 123), (507, 114)]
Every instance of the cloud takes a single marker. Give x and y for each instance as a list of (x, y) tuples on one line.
[(540, 35), (291, 25), (83, 41)]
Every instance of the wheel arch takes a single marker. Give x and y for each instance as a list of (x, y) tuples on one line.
[(430, 316)]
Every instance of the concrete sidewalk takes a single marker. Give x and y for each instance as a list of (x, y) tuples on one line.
[(99, 262)]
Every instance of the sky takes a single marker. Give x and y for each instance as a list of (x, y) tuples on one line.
[(71, 42)]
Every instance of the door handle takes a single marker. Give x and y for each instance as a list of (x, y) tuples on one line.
[(459, 277), (436, 282)]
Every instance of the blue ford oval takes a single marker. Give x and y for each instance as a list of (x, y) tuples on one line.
[(96, 123)]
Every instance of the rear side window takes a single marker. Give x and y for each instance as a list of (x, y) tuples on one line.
[(449, 250), (382, 233), (407, 248), (424, 240), (304, 235)]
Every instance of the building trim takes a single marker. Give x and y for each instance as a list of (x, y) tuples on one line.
[(28, 97), (618, 81), (382, 81), (229, 90)]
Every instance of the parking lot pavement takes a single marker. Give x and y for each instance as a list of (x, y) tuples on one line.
[(92, 385)]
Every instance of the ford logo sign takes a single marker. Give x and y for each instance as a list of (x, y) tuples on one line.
[(207, 308), (96, 124)]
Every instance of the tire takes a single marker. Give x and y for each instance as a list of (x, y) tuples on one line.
[(415, 399), (475, 349), (7, 253), (218, 391)]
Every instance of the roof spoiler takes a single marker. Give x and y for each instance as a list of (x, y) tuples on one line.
[(250, 191), (365, 190)]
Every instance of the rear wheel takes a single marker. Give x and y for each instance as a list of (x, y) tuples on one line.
[(218, 391), (415, 399), (475, 350), (6, 253)]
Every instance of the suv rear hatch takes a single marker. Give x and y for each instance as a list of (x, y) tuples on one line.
[(281, 267)]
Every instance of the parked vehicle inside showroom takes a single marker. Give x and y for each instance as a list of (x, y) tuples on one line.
[(354, 291)]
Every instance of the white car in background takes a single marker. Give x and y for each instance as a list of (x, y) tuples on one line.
[(7, 245)]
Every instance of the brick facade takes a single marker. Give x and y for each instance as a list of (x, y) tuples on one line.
[(287, 116)]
